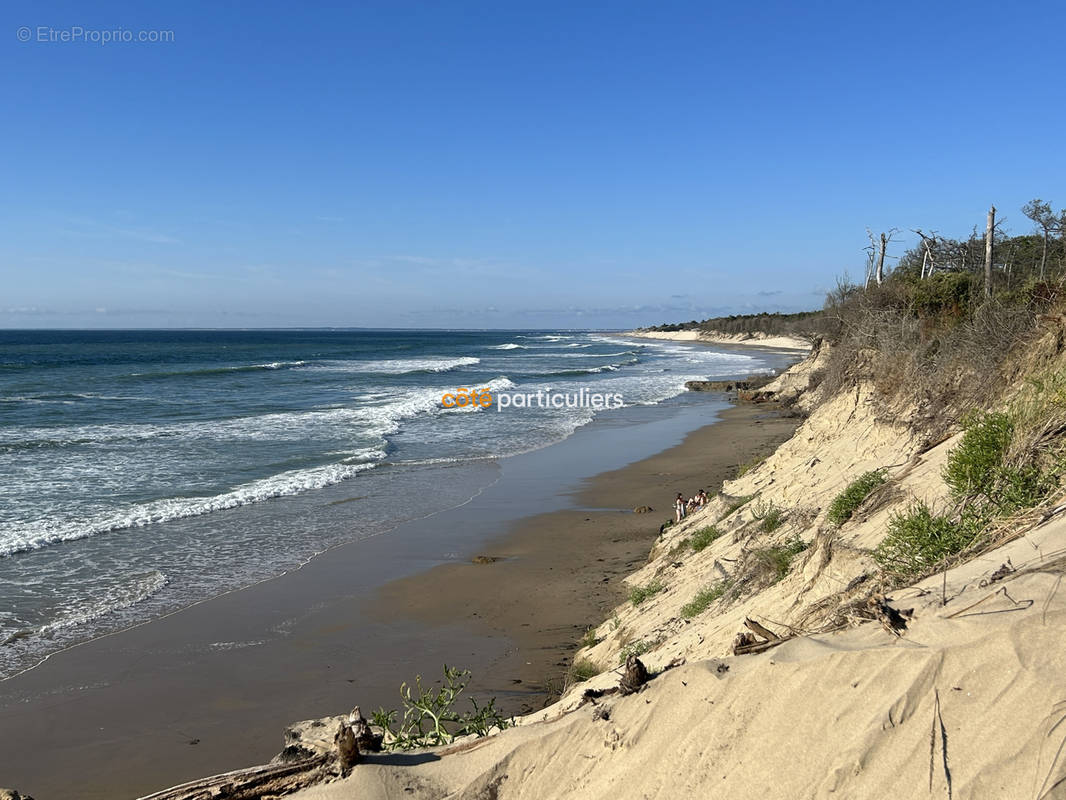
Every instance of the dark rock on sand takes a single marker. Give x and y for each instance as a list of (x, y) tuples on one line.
[(642, 509), (748, 384), (485, 559)]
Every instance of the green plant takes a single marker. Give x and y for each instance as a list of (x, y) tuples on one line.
[(845, 503), (638, 594), (616, 623), (978, 466), (744, 469), (773, 519), (703, 537), (638, 648), (703, 599), (974, 466), (777, 560), (582, 670), (737, 503), (430, 718), (918, 540), (589, 639)]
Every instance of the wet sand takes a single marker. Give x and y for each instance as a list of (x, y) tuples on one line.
[(211, 688), (560, 573)]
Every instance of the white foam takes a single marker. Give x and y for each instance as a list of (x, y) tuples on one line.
[(400, 366), (508, 346), (42, 533), (116, 598)]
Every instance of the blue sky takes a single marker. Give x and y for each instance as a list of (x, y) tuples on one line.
[(499, 164)]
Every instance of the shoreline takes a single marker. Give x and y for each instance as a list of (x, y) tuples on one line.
[(213, 686), (574, 561), (762, 340)]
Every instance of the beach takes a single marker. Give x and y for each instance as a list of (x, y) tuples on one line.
[(755, 339), (211, 687)]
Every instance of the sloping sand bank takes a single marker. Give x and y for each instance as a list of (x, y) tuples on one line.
[(971, 700)]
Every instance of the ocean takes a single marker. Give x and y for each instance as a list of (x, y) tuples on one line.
[(143, 471)]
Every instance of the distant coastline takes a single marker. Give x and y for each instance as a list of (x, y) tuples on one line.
[(756, 339)]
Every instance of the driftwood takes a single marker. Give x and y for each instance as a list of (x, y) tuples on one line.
[(251, 783), (314, 751), (892, 620), (747, 643)]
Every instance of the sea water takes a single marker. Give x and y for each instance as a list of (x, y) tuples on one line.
[(142, 471)]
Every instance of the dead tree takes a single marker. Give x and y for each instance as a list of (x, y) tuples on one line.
[(989, 231), (881, 260), (877, 250), (1040, 213), (928, 243)]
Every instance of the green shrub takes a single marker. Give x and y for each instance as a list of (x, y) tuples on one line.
[(943, 293), (737, 503), (744, 469), (703, 599), (638, 594), (589, 639), (703, 537), (583, 670), (974, 467), (638, 648), (919, 540), (430, 717), (773, 519), (845, 503), (777, 560), (1021, 488)]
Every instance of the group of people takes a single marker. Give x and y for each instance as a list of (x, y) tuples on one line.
[(682, 507)]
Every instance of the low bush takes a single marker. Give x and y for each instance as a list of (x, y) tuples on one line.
[(703, 599), (737, 503), (919, 540), (744, 469), (978, 466), (430, 718), (582, 670), (638, 594), (770, 517), (773, 520), (702, 538), (638, 648), (845, 503), (974, 466), (776, 561)]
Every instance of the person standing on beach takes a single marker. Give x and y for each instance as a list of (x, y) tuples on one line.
[(679, 506)]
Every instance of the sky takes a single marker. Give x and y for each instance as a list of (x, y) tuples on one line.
[(500, 164)]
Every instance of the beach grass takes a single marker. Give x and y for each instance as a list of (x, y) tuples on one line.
[(638, 594)]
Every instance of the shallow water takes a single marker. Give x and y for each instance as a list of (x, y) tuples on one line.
[(143, 471)]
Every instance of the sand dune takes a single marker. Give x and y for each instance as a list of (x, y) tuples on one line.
[(969, 700)]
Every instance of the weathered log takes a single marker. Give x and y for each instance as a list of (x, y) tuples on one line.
[(747, 643), (762, 631), (250, 783), (314, 751)]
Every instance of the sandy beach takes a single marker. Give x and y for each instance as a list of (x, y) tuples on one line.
[(791, 343), (212, 687)]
